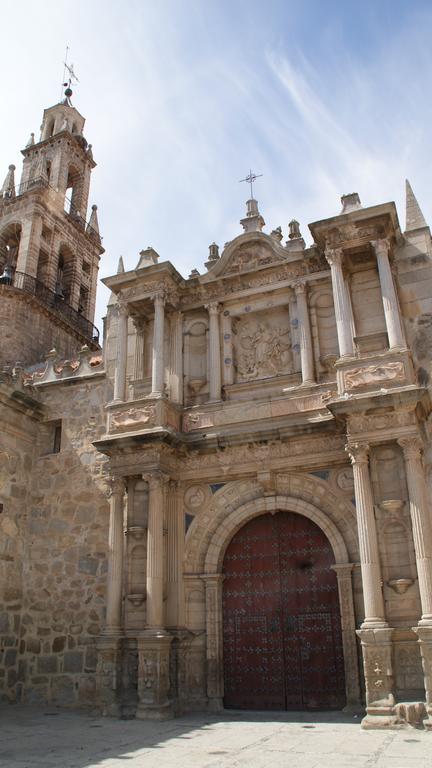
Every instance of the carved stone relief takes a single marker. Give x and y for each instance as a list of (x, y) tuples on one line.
[(196, 497), (373, 374), (262, 346), (133, 418)]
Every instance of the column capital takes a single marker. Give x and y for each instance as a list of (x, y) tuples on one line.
[(343, 570), (381, 247), (155, 480), (139, 324), (213, 308), (411, 445), (212, 579), (177, 315), (300, 287), (122, 307), (334, 256), (117, 486), (358, 452), (158, 298)]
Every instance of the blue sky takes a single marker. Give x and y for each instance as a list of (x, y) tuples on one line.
[(182, 97)]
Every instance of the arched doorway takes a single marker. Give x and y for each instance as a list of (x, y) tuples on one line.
[(282, 642)]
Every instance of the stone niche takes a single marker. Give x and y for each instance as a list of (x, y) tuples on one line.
[(262, 345)]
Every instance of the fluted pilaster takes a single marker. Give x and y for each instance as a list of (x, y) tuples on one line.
[(115, 558), (420, 521), (342, 303), (390, 302), (227, 344), (214, 351), (368, 540), (155, 549), (175, 554), (140, 326), (306, 349), (121, 359), (158, 346), (177, 357)]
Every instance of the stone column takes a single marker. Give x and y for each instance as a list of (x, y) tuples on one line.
[(227, 344), (214, 637), (140, 324), (158, 346), (368, 540), (389, 297), (121, 360), (155, 548), (306, 347), (349, 640), (375, 634), (421, 522), (342, 304), (177, 357), (175, 554), (115, 559), (214, 350)]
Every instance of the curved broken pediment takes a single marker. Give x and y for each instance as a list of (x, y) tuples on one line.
[(247, 252)]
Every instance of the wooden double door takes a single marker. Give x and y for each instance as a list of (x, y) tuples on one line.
[(282, 639)]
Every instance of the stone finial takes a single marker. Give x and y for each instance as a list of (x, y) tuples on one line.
[(194, 273), (294, 229), (8, 188), (148, 257), (93, 225), (414, 215), (295, 241), (213, 255), (31, 140), (350, 202), (90, 152), (120, 266), (276, 234), (253, 221)]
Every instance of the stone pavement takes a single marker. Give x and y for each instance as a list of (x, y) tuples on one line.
[(47, 737)]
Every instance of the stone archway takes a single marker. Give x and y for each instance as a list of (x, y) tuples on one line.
[(205, 550)]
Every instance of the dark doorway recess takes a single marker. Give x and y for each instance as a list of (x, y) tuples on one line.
[(281, 617)]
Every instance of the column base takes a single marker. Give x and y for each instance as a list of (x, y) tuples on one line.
[(380, 720), (215, 704), (108, 674), (424, 634), (378, 671), (154, 675)]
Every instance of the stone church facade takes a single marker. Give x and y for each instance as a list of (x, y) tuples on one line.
[(227, 503)]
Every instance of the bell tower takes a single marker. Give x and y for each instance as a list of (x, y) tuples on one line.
[(50, 245)]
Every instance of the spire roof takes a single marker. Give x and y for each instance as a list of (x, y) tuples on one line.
[(8, 188), (414, 216), (93, 225)]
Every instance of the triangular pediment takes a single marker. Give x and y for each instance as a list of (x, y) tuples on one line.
[(246, 253)]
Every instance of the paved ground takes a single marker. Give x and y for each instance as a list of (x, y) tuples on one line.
[(40, 737)]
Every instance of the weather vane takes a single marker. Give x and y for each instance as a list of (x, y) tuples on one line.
[(68, 68), (250, 180)]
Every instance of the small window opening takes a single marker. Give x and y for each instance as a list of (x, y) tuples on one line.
[(57, 433)]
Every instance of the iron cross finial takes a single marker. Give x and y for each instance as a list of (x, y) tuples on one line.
[(68, 68), (250, 179)]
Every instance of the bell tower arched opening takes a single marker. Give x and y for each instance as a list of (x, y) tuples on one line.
[(282, 638)]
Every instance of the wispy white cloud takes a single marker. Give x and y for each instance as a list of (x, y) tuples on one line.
[(181, 97)]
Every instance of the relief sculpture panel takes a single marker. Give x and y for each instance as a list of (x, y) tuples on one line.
[(262, 345)]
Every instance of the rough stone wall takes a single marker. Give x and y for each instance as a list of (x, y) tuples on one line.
[(65, 550), (17, 440), (28, 331)]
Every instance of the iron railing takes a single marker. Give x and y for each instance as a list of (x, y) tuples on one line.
[(54, 302), (71, 212)]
